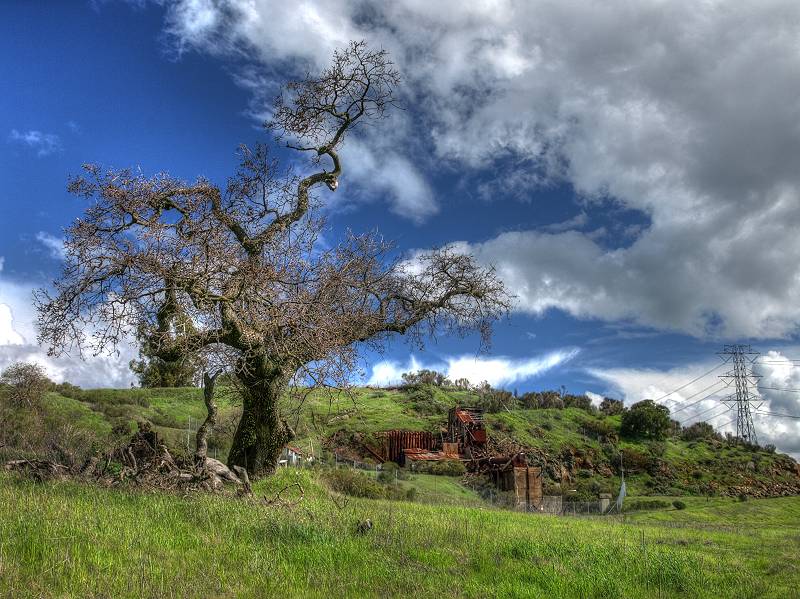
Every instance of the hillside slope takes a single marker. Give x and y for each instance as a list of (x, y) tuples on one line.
[(579, 449)]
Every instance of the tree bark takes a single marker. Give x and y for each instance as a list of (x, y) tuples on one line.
[(201, 440), (260, 435)]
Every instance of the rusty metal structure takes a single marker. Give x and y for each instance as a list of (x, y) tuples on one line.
[(397, 443), (465, 440), (513, 473), (465, 426), (528, 487)]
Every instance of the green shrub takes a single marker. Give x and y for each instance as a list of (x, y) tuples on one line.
[(425, 401), (699, 431), (448, 468), (24, 386), (390, 472), (646, 419), (678, 505), (597, 429), (599, 486), (633, 460), (354, 483), (70, 390), (657, 448), (611, 407), (161, 418), (551, 488)]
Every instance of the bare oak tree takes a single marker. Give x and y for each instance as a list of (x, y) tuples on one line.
[(243, 265)]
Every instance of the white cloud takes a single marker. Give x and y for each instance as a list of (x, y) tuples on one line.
[(8, 335), (54, 245), (390, 372), (18, 335), (496, 371), (44, 143), (684, 111), (383, 171), (93, 372), (636, 384), (664, 281), (19, 312), (576, 222), (596, 398)]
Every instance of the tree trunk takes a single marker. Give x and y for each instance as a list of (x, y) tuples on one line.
[(260, 435), (201, 442)]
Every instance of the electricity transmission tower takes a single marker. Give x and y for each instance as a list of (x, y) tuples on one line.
[(741, 357)]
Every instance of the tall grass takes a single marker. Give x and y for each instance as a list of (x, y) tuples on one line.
[(70, 540)]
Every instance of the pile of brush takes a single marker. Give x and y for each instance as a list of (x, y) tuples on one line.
[(143, 461)]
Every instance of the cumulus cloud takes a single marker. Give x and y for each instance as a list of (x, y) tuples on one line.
[(8, 334), (595, 398), (664, 281), (95, 371), (302, 36), (703, 399), (497, 371), (779, 372), (18, 337), (382, 170), (636, 384), (53, 244), (685, 112), (43, 144), (576, 222)]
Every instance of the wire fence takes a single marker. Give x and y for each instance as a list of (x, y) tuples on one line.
[(556, 505)]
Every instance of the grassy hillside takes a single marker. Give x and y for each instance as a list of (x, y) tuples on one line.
[(72, 540), (569, 442)]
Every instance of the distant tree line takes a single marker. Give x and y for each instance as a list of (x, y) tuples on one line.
[(644, 420)]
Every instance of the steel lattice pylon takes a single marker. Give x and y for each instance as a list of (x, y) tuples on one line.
[(741, 357)]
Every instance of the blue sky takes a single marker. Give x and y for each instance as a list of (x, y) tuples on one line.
[(629, 169)]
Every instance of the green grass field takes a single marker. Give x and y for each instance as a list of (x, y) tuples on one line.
[(61, 539), (73, 540)]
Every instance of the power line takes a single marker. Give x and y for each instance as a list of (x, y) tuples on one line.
[(780, 389), (690, 382), (727, 423), (694, 403), (714, 407), (777, 414), (704, 390), (787, 361)]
